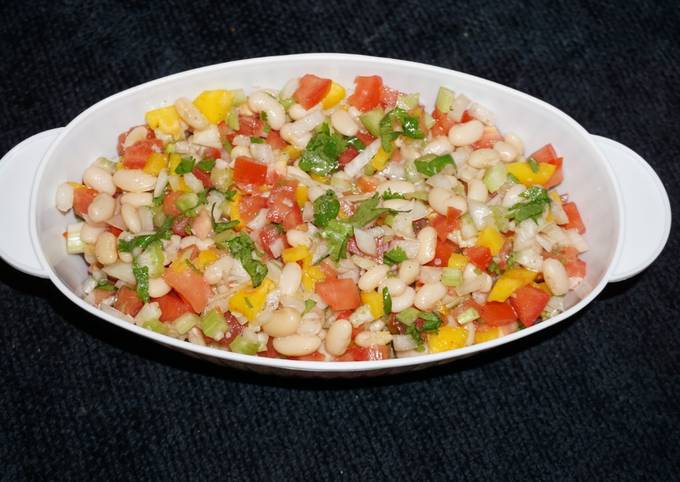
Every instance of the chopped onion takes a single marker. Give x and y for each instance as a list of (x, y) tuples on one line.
[(161, 182), (575, 240), (262, 152), (193, 182), (460, 104), (259, 221), (150, 311), (74, 245), (481, 113), (479, 213), (209, 137), (359, 162), (121, 271), (289, 89), (403, 343), (365, 242)]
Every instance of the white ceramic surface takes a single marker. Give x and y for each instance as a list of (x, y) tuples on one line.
[(610, 183)]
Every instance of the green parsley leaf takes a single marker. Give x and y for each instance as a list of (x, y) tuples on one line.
[(309, 304), (414, 333), (511, 177), (387, 301), (242, 248), (145, 240), (326, 207), (431, 165), (106, 285), (158, 200), (256, 140), (410, 127), (356, 143), (206, 165), (394, 256), (142, 276), (493, 268), (263, 116), (431, 322), (220, 227), (185, 165), (533, 164), (368, 211), (229, 195), (336, 235), (388, 194), (511, 261), (536, 201), (320, 157)]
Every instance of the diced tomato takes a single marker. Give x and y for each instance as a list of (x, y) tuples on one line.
[(495, 313), (445, 224), (488, 139), (283, 207), (558, 175), (466, 117), (225, 131), (250, 125), (347, 155), (271, 236), (212, 153), (443, 252), (316, 356), (169, 206), (270, 352), (135, 156), (121, 138), (545, 154), (339, 294), (329, 271), (504, 254), (367, 184), (249, 171), (100, 295), (179, 225), (343, 315), (419, 224), (442, 125), (114, 230), (312, 90), (235, 328), (373, 352), (249, 206), (480, 256), (395, 326), (202, 176), (367, 93), (275, 140), (529, 303), (82, 198), (190, 285), (172, 306), (576, 268), (575, 221), (388, 97), (365, 138), (128, 302)]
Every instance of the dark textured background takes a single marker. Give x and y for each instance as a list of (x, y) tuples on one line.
[(595, 398)]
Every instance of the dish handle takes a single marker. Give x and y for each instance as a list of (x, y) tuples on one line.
[(17, 174), (646, 208)]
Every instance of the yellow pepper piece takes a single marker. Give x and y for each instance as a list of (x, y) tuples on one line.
[(374, 300), (380, 159), (250, 301), (75, 185), (542, 286), (301, 195), (173, 161), (155, 163), (292, 152), (297, 253), (512, 280), (447, 338), (492, 239), (522, 171), (321, 179), (458, 261), (214, 104), (485, 335), (234, 209), (206, 258), (166, 119), (335, 95), (311, 274)]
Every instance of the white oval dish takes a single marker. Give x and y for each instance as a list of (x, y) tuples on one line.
[(601, 176)]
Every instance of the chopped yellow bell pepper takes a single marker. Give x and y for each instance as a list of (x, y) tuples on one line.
[(292, 152), (374, 300), (458, 261), (522, 171), (214, 104), (75, 185), (311, 274), (335, 95), (488, 334), (206, 258), (380, 159), (321, 179), (492, 239), (155, 163), (166, 119), (542, 286), (447, 338), (173, 161), (512, 280), (301, 195), (250, 301), (235, 210), (294, 254)]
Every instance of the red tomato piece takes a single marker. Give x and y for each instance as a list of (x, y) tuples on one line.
[(495, 313), (576, 268), (169, 206), (269, 352), (249, 171), (212, 153), (347, 155), (190, 285), (128, 302), (100, 295), (283, 207), (339, 294), (388, 97), (443, 123), (445, 224), (529, 303), (250, 125), (235, 329), (135, 156), (367, 184), (249, 206), (121, 138), (373, 352), (82, 198), (316, 356), (365, 138), (367, 93), (575, 221), (114, 230), (488, 139), (179, 225), (172, 306), (545, 154), (466, 117), (312, 90), (271, 236), (202, 176), (480, 256), (443, 252), (275, 140)]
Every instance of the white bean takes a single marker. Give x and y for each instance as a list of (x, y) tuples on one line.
[(105, 249), (190, 114), (438, 146), (296, 111), (283, 322), (483, 158), (466, 133), (395, 286), (373, 277), (131, 218), (441, 200), (512, 195), (428, 243), (555, 276), (291, 276), (396, 186), (295, 237), (158, 287), (343, 123), (338, 337), (218, 270), (506, 150), (368, 338), (477, 191), (99, 179), (296, 345), (515, 141), (137, 199), (263, 102), (134, 180), (64, 197), (404, 300), (409, 271), (101, 208), (135, 135), (428, 295), (90, 233)]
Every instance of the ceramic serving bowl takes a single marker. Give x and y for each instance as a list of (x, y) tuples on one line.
[(622, 200)]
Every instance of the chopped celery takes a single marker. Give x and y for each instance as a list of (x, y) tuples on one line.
[(409, 315), (452, 277), (408, 102), (186, 201), (214, 325), (74, 245), (185, 322), (232, 119), (467, 316), (500, 217), (239, 97), (159, 218), (243, 345), (371, 121), (495, 177), (445, 98), (157, 326), (153, 258), (169, 148), (411, 172), (221, 178)]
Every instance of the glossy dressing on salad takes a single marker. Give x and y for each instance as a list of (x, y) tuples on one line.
[(305, 223)]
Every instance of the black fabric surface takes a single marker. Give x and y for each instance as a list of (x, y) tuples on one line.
[(596, 397)]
